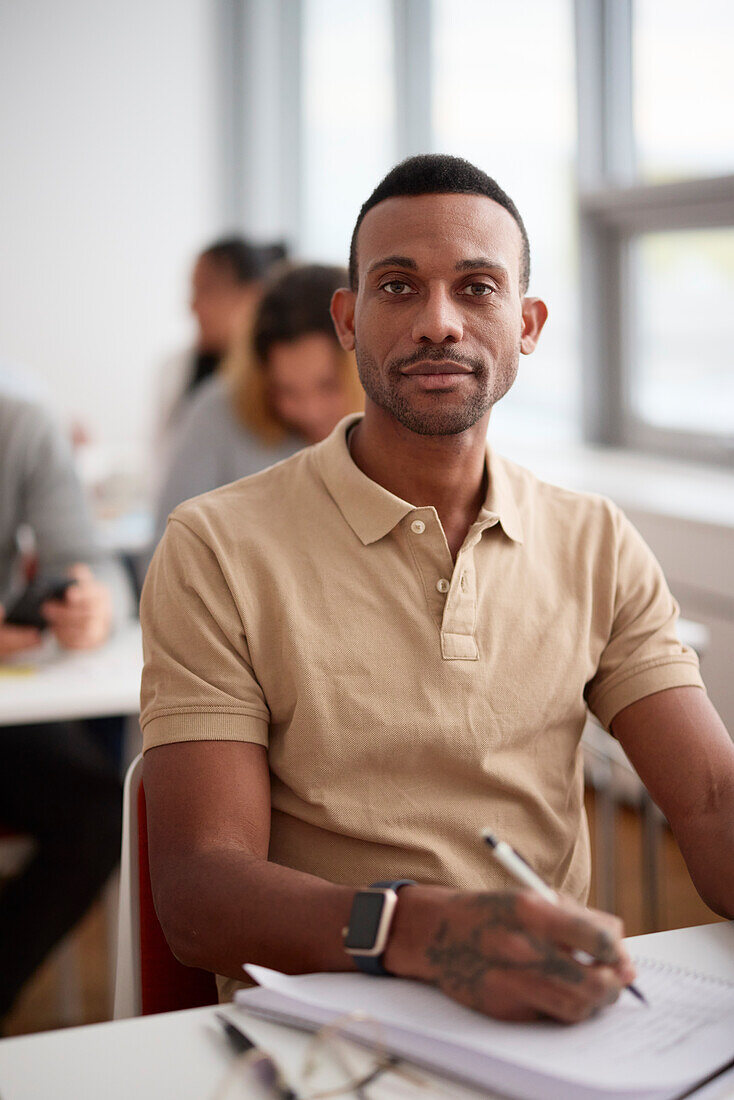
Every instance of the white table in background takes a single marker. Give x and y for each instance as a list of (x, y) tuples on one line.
[(184, 1055), (64, 684), (51, 684)]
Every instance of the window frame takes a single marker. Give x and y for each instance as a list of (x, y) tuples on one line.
[(261, 128), (263, 191), (615, 210)]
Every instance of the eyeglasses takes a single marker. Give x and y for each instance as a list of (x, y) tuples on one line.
[(335, 1065)]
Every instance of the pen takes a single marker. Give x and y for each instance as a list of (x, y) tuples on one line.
[(522, 872), (261, 1064)]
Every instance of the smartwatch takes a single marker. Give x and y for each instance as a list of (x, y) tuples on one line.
[(368, 931)]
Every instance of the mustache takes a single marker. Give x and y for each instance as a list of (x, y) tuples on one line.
[(437, 355)]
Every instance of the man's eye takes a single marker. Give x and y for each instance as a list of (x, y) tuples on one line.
[(478, 290), (397, 288)]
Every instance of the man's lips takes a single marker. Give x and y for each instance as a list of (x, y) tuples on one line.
[(432, 367)]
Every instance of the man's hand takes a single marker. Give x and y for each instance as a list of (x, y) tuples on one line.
[(511, 955), (83, 619), (16, 639)]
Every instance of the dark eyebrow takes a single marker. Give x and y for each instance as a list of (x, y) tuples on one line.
[(482, 262), (394, 261)]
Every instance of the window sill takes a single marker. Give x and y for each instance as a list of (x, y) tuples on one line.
[(634, 481)]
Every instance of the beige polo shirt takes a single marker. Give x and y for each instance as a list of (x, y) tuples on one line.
[(405, 700)]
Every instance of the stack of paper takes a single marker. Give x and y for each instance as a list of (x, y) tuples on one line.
[(627, 1051)]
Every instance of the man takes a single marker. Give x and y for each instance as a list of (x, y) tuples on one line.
[(357, 659), (56, 784)]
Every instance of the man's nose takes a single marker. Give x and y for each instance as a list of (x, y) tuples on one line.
[(439, 318)]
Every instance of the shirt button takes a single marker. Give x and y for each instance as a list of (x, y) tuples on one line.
[(418, 526), (443, 585)]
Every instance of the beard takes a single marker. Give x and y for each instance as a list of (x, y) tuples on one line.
[(441, 414)]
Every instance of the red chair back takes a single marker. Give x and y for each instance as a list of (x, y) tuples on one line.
[(166, 985)]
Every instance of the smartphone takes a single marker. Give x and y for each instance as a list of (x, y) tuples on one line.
[(26, 611)]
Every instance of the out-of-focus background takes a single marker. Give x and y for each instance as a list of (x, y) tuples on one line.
[(133, 135)]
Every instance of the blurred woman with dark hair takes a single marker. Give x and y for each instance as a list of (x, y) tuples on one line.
[(283, 387), (226, 285)]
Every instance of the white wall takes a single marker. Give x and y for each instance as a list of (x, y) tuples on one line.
[(109, 184)]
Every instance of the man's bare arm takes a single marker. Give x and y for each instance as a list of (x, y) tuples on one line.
[(685, 757), (221, 903)]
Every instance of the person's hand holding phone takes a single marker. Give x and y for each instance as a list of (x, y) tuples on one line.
[(16, 639), (83, 618)]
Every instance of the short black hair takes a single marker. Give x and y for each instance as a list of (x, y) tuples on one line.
[(439, 174), (245, 261)]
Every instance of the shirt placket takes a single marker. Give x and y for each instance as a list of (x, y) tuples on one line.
[(451, 589), (458, 626)]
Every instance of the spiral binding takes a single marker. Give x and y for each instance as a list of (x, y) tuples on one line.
[(683, 971)]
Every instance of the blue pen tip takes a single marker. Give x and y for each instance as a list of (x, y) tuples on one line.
[(490, 839)]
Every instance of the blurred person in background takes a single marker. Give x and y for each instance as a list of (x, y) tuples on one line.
[(285, 385), (226, 285), (57, 785)]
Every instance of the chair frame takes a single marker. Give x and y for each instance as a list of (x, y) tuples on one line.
[(149, 978), (128, 979)]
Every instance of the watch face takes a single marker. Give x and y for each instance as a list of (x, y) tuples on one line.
[(364, 922)]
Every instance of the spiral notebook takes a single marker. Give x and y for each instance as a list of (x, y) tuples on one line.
[(627, 1052)]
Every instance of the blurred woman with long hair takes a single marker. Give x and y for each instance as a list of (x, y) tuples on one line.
[(226, 285)]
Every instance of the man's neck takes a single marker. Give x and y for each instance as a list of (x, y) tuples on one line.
[(445, 472)]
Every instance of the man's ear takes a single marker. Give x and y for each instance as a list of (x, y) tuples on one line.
[(342, 314), (534, 316)]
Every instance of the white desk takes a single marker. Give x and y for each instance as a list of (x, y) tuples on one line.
[(58, 685), (128, 533), (183, 1054), (634, 480)]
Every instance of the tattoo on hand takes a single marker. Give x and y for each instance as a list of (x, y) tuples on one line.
[(463, 963), (605, 949)]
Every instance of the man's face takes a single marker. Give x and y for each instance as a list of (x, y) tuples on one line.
[(438, 318)]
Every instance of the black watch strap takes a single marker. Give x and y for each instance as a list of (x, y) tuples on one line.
[(372, 964)]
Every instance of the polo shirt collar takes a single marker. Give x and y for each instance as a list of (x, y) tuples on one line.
[(500, 502), (372, 512)]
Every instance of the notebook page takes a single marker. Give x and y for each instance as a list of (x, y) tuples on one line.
[(687, 1030)]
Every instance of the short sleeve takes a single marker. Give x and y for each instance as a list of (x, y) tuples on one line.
[(198, 683), (643, 654)]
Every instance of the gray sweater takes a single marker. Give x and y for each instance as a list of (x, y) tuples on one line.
[(39, 488), (210, 447)]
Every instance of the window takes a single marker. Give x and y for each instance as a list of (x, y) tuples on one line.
[(486, 72), (607, 121), (683, 81), (657, 250), (348, 118), (683, 377)]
